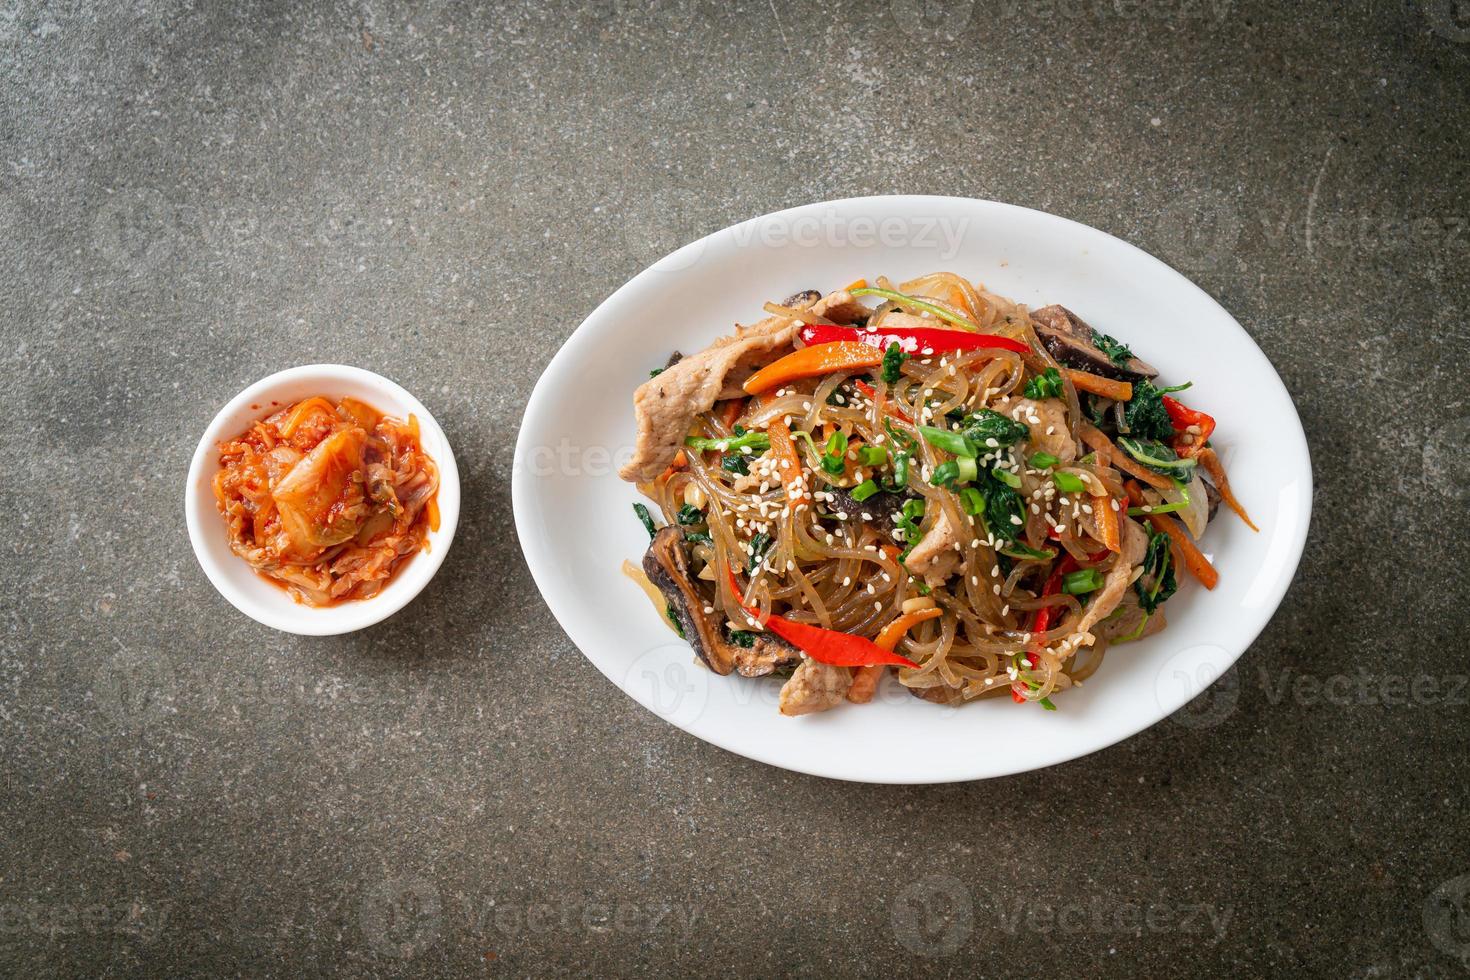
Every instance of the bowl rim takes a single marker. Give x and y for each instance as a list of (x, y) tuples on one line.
[(202, 517), (542, 562)]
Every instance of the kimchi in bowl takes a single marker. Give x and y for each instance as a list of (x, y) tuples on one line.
[(257, 595)]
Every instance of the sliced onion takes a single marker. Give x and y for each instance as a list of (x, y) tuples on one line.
[(1197, 514)]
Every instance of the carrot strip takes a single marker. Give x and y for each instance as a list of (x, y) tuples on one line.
[(1199, 566), (865, 679), (788, 460), (734, 408), (1120, 391), (1110, 454), (858, 284), (680, 461), (894, 631), (1216, 469), (815, 360)]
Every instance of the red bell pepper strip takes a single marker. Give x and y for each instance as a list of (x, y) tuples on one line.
[(915, 341), (825, 646), (1182, 418), (1042, 622)]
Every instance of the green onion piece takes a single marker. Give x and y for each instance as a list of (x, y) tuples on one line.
[(833, 465), (1042, 461), (972, 502), (837, 444), (1007, 477), (945, 473), (1017, 550), (918, 304), (757, 441), (1082, 581), (1068, 482), (1156, 509), (900, 474), (950, 442), (864, 490), (1046, 703), (872, 456), (913, 509), (1047, 384), (969, 471)]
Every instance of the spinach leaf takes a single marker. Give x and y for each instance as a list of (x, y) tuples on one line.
[(1001, 504), (1157, 583), (985, 425), (1145, 414), (759, 545), (1117, 351), (646, 518)]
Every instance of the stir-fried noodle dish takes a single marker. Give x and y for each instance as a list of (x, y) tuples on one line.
[(925, 476), (327, 500)]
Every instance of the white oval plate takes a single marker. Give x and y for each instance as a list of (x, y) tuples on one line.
[(576, 524)]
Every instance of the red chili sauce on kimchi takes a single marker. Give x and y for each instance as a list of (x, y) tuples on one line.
[(328, 500)]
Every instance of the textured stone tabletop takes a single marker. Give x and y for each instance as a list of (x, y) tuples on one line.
[(193, 195)]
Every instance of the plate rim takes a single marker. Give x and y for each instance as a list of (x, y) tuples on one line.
[(539, 564)]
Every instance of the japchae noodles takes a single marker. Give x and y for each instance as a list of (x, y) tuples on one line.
[(922, 475)]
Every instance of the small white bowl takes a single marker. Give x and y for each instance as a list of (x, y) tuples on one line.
[(237, 581)]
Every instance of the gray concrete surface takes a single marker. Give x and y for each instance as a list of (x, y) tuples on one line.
[(195, 194)]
